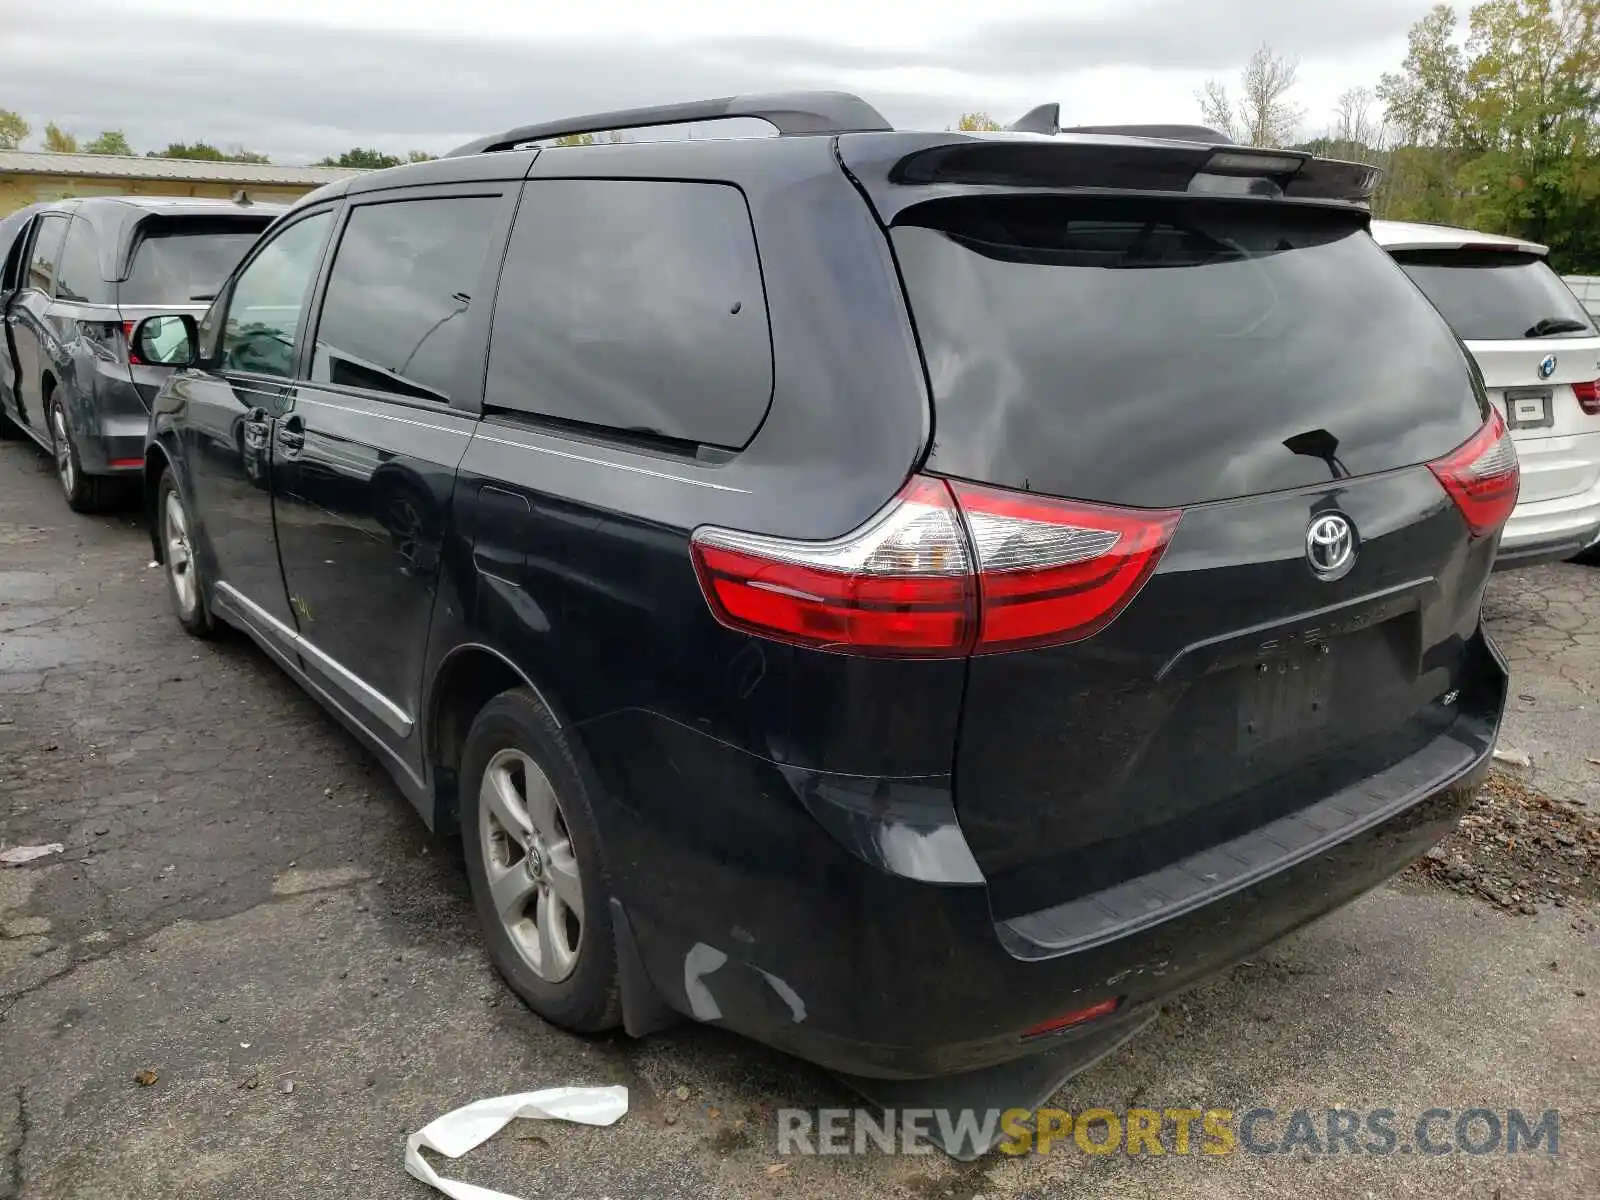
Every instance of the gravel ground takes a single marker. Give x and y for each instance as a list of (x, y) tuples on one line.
[(250, 973)]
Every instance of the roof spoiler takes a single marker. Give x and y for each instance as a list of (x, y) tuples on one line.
[(790, 113), (1046, 119)]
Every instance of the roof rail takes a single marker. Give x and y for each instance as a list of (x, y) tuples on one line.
[(790, 113), (1047, 119)]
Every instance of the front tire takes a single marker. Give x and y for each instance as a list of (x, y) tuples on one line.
[(533, 858), (84, 493), (185, 583)]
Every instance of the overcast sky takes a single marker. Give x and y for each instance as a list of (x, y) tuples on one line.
[(298, 79)]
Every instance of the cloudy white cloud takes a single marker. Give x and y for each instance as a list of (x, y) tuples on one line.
[(301, 78)]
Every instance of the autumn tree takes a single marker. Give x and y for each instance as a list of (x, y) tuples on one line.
[(1510, 118), (574, 139), (978, 122), (58, 141), (1263, 114), (13, 129), (110, 141)]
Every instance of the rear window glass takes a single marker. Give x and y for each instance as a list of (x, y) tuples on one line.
[(635, 306), (1172, 352), (1488, 296), (180, 262)]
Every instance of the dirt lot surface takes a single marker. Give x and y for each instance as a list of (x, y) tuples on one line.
[(243, 903)]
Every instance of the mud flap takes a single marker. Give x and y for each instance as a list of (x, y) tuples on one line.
[(643, 1010), (1024, 1083)]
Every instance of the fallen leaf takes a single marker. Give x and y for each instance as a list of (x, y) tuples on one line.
[(145, 1077), (778, 1169)]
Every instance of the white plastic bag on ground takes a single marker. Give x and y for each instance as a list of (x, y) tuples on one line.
[(455, 1133)]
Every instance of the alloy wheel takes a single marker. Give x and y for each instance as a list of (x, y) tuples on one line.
[(532, 871), (66, 471), (180, 553)]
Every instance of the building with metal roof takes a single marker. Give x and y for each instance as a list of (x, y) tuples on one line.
[(27, 176)]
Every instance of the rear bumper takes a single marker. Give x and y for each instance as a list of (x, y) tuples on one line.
[(110, 423), (1552, 530), (774, 928)]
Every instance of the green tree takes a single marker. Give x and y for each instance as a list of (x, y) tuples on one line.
[(362, 160), (13, 129), (416, 156), (111, 141), (206, 152), (1506, 127), (978, 122), (58, 141), (575, 139)]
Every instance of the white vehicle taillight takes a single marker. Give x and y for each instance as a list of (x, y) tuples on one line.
[(944, 570)]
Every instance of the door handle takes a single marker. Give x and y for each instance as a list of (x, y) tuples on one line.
[(292, 436)]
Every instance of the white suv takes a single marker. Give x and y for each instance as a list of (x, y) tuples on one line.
[(1539, 352)]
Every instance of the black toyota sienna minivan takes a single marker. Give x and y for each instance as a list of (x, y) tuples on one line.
[(915, 599)]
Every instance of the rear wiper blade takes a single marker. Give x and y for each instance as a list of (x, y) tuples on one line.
[(1553, 325)]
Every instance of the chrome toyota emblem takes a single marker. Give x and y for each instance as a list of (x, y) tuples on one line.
[(1330, 546), (1548, 367)]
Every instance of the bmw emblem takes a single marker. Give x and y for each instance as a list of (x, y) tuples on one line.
[(1548, 367), (1330, 546)]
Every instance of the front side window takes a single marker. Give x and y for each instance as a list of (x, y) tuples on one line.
[(264, 310), (46, 252), (398, 295), (635, 306), (78, 274)]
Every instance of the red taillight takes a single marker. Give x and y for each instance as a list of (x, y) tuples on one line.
[(1103, 1008), (127, 340), (944, 570), (900, 585), (1588, 395), (1482, 477), (1053, 571)]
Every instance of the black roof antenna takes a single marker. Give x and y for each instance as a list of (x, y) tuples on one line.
[(1044, 119)]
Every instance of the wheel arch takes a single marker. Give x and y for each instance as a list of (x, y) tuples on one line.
[(156, 460), (468, 677)]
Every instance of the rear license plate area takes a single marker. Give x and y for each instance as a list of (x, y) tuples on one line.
[(1286, 697), (1529, 408)]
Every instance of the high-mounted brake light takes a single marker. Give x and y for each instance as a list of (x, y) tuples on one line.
[(944, 570), (1588, 395), (1482, 476)]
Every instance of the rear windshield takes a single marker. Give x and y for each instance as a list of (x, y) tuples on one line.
[(179, 262), (1171, 352), (1490, 296)]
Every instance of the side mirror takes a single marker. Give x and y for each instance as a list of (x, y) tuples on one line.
[(166, 341)]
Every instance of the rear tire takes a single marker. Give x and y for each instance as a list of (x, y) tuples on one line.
[(186, 584), (84, 493), (533, 858)]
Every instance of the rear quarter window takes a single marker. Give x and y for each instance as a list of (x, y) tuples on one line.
[(633, 305), (78, 276)]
